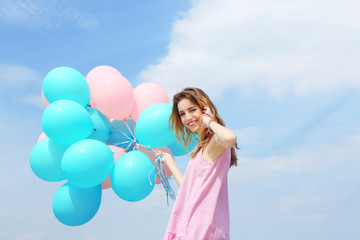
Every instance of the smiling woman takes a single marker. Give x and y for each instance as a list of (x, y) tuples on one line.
[(201, 209), (189, 115)]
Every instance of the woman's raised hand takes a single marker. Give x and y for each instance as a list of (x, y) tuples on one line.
[(207, 116), (207, 111)]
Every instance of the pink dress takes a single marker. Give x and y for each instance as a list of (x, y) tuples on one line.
[(201, 209)]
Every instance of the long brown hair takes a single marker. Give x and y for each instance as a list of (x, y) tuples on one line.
[(183, 134)]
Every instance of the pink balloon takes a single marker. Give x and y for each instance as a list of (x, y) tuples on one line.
[(44, 99), (111, 93), (151, 155), (98, 73), (118, 152), (41, 137), (147, 94)]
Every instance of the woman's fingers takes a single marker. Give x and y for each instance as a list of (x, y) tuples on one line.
[(207, 111), (159, 153)]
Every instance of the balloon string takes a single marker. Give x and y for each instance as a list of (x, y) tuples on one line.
[(159, 170), (130, 138), (131, 132), (160, 173)]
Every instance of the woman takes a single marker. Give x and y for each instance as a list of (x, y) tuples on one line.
[(201, 210)]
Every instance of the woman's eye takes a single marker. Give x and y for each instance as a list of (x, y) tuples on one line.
[(181, 114), (192, 110)]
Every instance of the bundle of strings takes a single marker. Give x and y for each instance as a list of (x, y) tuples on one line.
[(160, 173)]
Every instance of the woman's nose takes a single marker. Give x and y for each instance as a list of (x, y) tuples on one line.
[(187, 117)]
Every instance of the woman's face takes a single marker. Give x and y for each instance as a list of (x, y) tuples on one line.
[(190, 114)]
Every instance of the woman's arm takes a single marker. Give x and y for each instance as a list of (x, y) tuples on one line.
[(225, 137), (170, 162)]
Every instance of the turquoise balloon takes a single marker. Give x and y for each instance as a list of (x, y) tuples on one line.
[(87, 163), (102, 126), (66, 122), (133, 177), (74, 206), (152, 127), (45, 160), (66, 83), (178, 149)]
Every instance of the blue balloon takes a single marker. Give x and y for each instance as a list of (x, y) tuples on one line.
[(66, 122), (102, 126), (66, 83), (75, 206), (178, 149), (133, 177), (87, 163), (152, 127), (45, 160)]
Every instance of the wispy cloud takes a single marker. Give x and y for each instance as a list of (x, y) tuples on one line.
[(317, 158), (303, 208), (15, 76), (248, 135), (34, 100), (303, 47), (20, 84), (93, 237), (46, 14), (292, 202), (302, 185), (32, 236)]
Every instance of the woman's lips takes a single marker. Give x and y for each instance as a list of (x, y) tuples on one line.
[(192, 123)]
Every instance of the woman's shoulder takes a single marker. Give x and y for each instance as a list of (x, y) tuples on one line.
[(213, 150)]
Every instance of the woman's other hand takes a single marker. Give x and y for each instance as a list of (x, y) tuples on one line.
[(166, 157), (170, 162)]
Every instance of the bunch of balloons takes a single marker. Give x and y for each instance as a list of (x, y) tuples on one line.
[(93, 127)]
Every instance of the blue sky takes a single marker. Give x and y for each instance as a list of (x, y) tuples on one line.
[(283, 75)]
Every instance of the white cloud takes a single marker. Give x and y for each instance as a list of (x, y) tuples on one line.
[(32, 100), (248, 135), (301, 185), (300, 46), (21, 84), (318, 158), (291, 202), (32, 236), (44, 14), (14, 76), (93, 237), (300, 208)]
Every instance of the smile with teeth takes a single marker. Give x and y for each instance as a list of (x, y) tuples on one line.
[(192, 123)]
